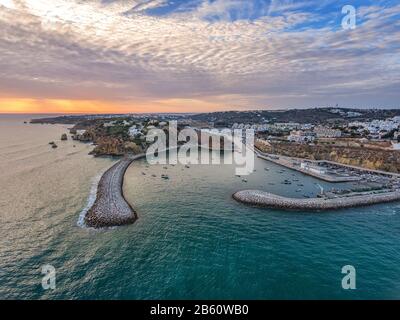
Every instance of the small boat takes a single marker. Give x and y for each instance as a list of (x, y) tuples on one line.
[(164, 176), (298, 190)]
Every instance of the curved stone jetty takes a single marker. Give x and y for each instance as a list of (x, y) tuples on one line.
[(110, 208), (269, 200)]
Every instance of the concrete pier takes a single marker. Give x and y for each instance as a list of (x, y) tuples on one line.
[(269, 200)]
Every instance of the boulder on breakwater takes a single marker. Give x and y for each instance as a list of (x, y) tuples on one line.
[(110, 207), (269, 200)]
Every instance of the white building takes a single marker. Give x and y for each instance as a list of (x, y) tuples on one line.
[(377, 126), (314, 169), (325, 132), (300, 136), (352, 114), (306, 126), (134, 131), (109, 124), (287, 126)]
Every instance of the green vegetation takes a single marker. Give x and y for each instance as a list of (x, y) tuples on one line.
[(121, 131)]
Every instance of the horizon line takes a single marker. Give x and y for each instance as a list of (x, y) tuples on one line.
[(216, 111)]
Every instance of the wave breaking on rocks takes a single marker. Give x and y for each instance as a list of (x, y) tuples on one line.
[(110, 207)]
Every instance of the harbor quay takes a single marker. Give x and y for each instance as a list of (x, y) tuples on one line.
[(330, 171), (308, 167), (386, 189), (111, 209)]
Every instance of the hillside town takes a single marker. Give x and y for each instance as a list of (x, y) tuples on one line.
[(377, 130), (348, 136)]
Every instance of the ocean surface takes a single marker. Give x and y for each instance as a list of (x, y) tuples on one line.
[(191, 241)]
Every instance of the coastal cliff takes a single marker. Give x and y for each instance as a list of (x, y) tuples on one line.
[(369, 158), (115, 147), (117, 143)]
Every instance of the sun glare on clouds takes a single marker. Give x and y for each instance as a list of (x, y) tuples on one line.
[(116, 54), (7, 3)]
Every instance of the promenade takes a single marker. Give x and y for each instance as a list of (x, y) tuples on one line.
[(293, 164)]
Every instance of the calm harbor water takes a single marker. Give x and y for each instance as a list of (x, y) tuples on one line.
[(191, 241)]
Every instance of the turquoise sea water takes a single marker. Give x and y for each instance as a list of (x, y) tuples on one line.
[(191, 241)]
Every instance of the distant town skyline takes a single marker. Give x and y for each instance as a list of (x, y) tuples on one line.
[(190, 56)]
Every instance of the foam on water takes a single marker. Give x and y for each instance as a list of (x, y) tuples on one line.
[(91, 199)]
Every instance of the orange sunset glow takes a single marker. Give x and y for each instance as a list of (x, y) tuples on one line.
[(194, 156), (101, 107), (72, 56)]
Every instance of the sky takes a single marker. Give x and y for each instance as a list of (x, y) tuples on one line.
[(115, 56)]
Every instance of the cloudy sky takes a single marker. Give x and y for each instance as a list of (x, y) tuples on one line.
[(196, 55)]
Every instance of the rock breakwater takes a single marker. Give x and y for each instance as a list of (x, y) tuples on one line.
[(269, 200), (110, 207)]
